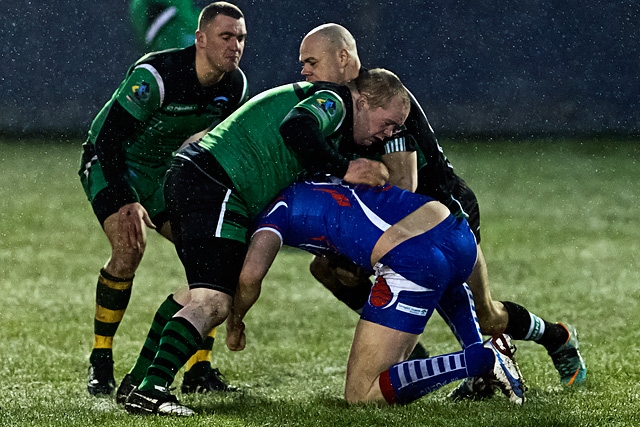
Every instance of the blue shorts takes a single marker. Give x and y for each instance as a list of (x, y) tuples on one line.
[(411, 278)]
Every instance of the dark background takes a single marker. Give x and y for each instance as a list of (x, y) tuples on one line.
[(489, 68)]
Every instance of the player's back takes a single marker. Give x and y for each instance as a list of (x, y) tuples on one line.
[(342, 218), (250, 148)]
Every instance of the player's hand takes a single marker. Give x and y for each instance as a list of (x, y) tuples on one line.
[(349, 279), (131, 221), (365, 171), (236, 339)]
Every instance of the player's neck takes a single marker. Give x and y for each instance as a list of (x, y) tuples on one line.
[(207, 75)]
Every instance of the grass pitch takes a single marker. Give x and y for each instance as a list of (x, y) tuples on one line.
[(560, 236)]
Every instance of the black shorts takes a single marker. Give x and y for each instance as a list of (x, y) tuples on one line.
[(469, 202), (196, 202)]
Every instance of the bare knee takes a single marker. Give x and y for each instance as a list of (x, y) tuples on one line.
[(363, 390), (125, 255), (206, 309)]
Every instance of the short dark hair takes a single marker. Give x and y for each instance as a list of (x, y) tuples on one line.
[(209, 13)]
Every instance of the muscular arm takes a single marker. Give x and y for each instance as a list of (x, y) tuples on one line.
[(262, 251), (403, 169), (301, 133)]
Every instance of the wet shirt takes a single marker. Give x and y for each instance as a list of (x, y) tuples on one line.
[(164, 24), (164, 104), (250, 145), (338, 218)]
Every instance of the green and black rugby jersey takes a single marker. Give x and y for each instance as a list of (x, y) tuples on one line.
[(436, 177), (281, 135), (165, 104)]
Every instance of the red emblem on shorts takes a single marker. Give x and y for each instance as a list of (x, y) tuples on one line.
[(380, 293)]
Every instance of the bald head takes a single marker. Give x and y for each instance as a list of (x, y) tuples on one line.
[(329, 53)]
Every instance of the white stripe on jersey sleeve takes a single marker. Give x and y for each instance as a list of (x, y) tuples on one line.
[(158, 78)]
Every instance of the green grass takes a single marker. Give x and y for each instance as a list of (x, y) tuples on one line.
[(560, 234)]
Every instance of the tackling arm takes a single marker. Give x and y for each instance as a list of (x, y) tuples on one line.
[(301, 133), (263, 249), (403, 169)]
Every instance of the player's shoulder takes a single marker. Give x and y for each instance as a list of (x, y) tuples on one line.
[(339, 91), (328, 102), (234, 85), (170, 61)]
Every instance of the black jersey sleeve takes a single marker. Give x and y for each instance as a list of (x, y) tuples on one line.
[(301, 133), (403, 141), (118, 125)]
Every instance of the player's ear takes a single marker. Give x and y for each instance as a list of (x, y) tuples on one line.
[(361, 102), (201, 38), (343, 56)]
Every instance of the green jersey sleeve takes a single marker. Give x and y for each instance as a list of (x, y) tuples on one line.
[(328, 107), (142, 92)]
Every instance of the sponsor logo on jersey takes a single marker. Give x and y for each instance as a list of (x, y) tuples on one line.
[(215, 110), (327, 105), (141, 91), (411, 310), (218, 107), (180, 108)]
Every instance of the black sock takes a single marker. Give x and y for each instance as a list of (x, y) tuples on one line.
[(524, 325)]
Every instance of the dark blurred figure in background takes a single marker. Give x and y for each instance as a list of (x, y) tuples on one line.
[(164, 24)]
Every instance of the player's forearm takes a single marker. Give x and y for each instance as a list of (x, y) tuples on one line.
[(118, 126), (403, 171), (246, 296), (302, 135)]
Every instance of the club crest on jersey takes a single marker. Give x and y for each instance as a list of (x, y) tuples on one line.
[(381, 294), (141, 91), (327, 105), (217, 108)]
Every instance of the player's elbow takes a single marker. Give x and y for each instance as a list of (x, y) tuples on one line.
[(250, 280)]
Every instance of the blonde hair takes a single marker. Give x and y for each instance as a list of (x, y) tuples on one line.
[(379, 86)]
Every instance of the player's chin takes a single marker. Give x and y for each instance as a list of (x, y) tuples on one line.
[(231, 65), (370, 141)]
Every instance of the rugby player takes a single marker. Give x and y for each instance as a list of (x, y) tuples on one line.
[(217, 185), (164, 99), (421, 256), (416, 162)]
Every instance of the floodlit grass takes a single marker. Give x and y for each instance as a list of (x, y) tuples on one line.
[(560, 234)]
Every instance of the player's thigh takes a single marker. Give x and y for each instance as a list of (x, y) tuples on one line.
[(400, 301), (209, 228), (211, 262), (106, 200)]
